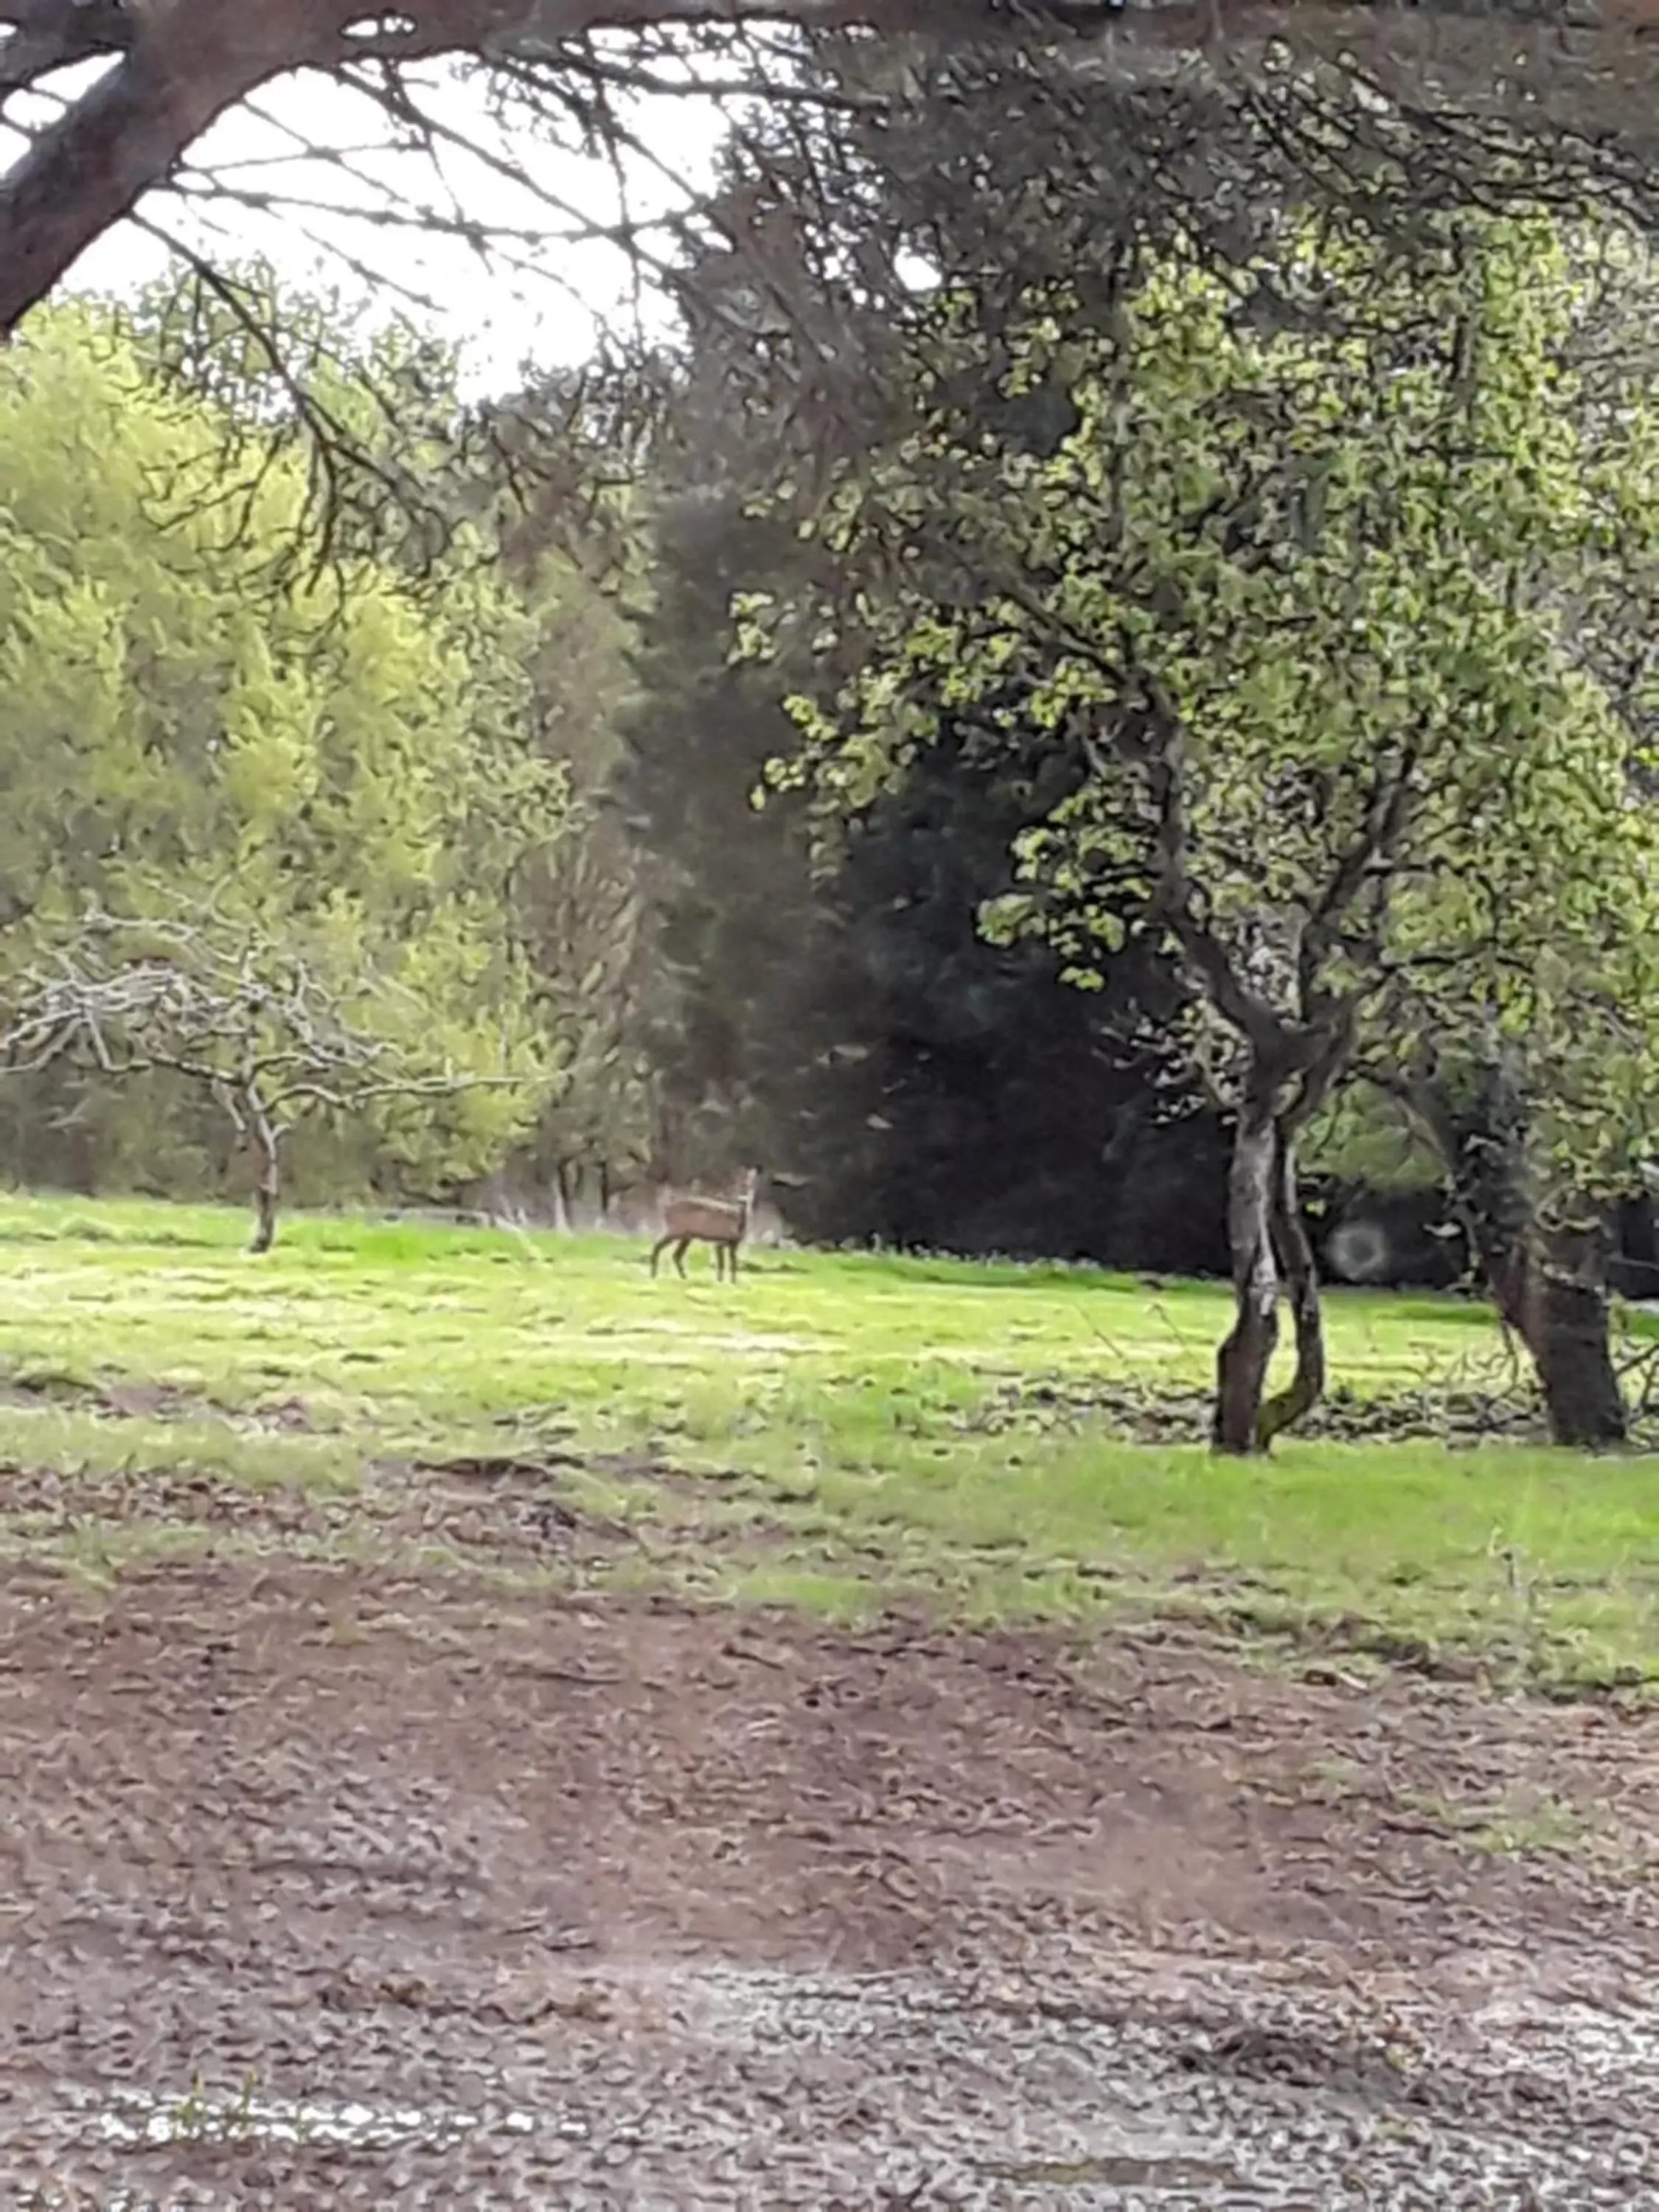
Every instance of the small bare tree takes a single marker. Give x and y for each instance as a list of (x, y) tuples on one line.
[(256, 1024)]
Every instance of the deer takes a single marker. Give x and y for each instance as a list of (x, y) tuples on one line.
[(721, 1222)]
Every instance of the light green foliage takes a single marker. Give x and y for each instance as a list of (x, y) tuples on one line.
[(1362, 1136), (331, 759), (1345, 526), (823, 1431)]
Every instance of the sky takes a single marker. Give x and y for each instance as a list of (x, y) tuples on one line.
[(538, 296)]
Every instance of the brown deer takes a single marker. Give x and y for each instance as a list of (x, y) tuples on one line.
[(721, 1222)]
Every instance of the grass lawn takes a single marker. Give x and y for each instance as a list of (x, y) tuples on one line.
[(842, 1431)]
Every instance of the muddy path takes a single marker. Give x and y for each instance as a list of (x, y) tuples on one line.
[(344, 1887)]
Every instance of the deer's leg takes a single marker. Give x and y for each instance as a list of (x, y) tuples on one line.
[(680, 1250), (658, 1249), (731, 1260)]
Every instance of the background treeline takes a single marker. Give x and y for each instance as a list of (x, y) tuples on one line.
[(500, 760)]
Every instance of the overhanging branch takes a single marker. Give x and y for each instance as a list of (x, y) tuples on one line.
[(179, 65), (46, 35)]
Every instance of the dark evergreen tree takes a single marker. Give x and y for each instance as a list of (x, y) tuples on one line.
[(848, 1024)]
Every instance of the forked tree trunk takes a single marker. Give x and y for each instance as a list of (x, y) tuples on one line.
[(1242, 1364), (1296, 1259), (1270, 1249)]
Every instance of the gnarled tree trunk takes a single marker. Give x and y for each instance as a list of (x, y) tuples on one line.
[(1549, 1283), (1241, 1363), (1296, 1259), (1551, 1289), (1271, 1251), (1571, 1348)]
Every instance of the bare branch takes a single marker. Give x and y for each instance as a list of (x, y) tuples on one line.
[(200, 999), (1387, 814), (177, 67), (1490, 76)]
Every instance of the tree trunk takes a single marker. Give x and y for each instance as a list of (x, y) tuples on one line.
[(1550, 1285), (1296, 1259), (564, 1197), (1571, 1348), (268, 1189), (1242, 1364), (1551, 1291)]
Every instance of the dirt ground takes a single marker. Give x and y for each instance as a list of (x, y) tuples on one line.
[(339, 1887)]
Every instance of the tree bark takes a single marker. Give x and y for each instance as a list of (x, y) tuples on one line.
[(564, 1197), (1549, 1285), (268, 1189), (1551, 1291), (1572, 1347), (185, 61), (1271, 1252), (128, 131), (1242, 1364), (1296, 1259)]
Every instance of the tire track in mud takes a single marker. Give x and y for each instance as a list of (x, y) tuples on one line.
[(349, 1887)]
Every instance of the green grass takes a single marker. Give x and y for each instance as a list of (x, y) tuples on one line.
[(77, 1441), (829, 1410)]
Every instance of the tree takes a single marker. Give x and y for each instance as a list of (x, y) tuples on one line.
[(171, 70), (849, 1025), (536, 492), (396, 468), (256, 1026), (399, 468), (1306, 569), (539, 490), (165, 708), (166, 70)]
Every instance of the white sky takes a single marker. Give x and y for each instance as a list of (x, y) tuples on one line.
[(537, 299)]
